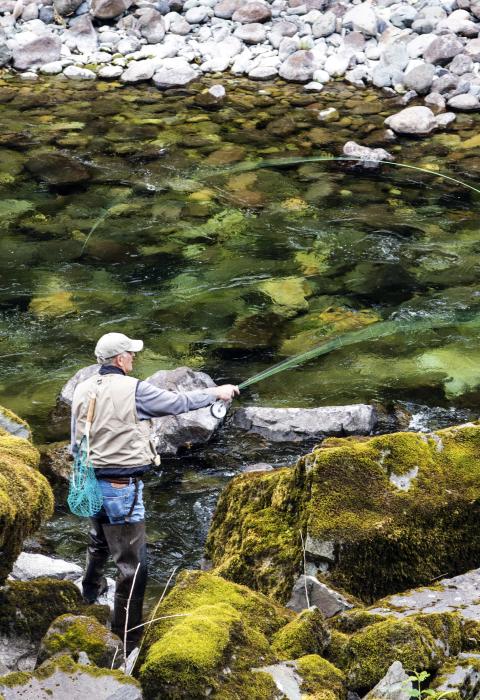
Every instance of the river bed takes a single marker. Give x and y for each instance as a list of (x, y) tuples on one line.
[(123, 208)]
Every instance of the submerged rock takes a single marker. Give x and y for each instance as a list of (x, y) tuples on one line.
[(412, 120), (368, 157), (296, 424)]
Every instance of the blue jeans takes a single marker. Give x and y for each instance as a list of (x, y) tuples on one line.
[(118, 501)]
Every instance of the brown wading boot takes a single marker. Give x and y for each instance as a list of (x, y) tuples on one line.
[(94, 583), (128, 549)]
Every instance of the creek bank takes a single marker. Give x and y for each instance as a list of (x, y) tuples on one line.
[(423, 50)]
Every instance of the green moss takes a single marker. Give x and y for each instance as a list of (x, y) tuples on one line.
[(26, 499), (13, 417), (354, 620), (308, 634), (385, 538), (320, 676), (222, 634), (446, 628), (254, 538), (451, 678), (71, 634), (367, 655), (28, 607)]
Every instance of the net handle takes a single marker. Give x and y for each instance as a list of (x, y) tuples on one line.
[(88, 422)]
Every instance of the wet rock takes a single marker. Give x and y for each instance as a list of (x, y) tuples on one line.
[(57, 169), (251, 33), (464, 102), (213, 98), (108, 9), (14, 425), (82, 35), (443, 120), (66, 393), (56, 462), (29, 567), (298, 67), (435, 102), (326, 599), (174, 72), (151, 25), (296, 424), (66, 7), (195, 427), (31, 49), (443, 49), (412, 120), (71, 634), (395, 685), (251, 12), (138, 70), (420, 78), (110, 72), (53, 68), (369, 157), (62, 678)]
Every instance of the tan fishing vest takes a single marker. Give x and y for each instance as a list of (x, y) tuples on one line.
[(117, 437)]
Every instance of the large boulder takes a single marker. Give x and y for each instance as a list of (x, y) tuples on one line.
[(62, 678), (195, 427), (443, 49), (298, 67), (30, 566), (218, 632), (26, 499), (33, 49), (11, 423), (57, 169), (298, 424), (378, 515)]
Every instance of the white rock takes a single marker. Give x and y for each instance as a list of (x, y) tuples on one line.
[(77, 73), (174, 72), (393, 686), (419, 44), (217, 91), (35, 47), (110, 72), (139, 70), (337, 65), (52, 68), (196, 15), (29, 75), (412, 120), (362, 18), (459, 22), (129, 45), (464, 102), (313, 86), (32, 566), (321, 76)]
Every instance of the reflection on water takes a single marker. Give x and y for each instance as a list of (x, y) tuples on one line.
[(108, 221)]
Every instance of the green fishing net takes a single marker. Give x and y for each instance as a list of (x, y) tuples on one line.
[(85, 497)]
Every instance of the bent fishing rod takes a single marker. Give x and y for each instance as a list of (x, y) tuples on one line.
[(372, 332)]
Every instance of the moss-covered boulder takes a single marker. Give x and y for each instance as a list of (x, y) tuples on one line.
[(219, 632), (56, 462), (308, 634), (380, 515), (62, 678), (460, 678), (321, 680), (26, 499), (71, 634)]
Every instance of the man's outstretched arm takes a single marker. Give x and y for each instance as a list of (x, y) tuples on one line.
[(152, 402)]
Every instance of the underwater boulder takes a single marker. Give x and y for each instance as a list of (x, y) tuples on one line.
[(380, 514), (57, 169)]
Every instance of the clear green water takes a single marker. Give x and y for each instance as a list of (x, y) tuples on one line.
[(228, 272)]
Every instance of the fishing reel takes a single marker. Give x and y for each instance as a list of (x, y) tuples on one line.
[(219, 409)]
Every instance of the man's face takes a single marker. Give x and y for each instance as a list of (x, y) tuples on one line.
[(125, 361)]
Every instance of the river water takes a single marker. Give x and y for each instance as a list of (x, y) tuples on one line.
[(123, 208)]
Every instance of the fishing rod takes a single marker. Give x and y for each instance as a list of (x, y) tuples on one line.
[(372, 332)]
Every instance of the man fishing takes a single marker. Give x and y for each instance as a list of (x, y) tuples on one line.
[(122, 451)]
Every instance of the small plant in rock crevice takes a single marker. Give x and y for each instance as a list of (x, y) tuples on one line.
[(418, 678)]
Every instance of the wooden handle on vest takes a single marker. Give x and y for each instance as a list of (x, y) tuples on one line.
[(91, 409)]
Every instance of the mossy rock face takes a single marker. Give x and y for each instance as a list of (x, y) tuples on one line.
[(28, 607), (26, 499), (70, 634), (366, 656), (11, 423), (308, 634), (382, 514), (223, 632), (321, 680), (460, 678)]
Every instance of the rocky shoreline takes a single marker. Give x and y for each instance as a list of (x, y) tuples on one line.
[(425, 49)]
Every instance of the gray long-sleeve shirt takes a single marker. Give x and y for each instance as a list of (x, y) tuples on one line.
[(151, 402)]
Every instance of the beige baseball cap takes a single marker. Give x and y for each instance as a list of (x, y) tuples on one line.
[(112, 344)]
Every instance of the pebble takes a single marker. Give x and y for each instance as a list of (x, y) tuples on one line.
[(431, 49)]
